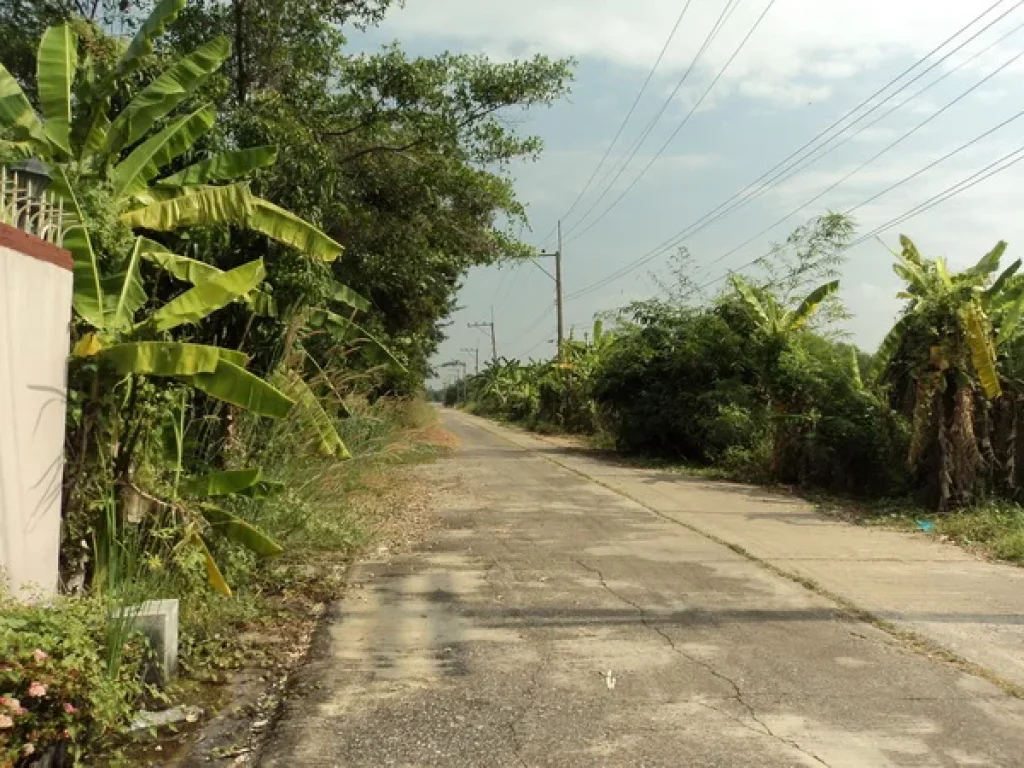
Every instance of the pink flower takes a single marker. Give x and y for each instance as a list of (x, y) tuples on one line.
[(10, 703), (70, 708), (6, 722), (28, 749), (37, 689), (40, 655)]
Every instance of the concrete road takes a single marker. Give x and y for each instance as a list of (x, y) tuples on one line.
[(551, 621)]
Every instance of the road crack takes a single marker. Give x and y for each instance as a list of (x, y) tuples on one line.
[(705, 665), (517, 743)]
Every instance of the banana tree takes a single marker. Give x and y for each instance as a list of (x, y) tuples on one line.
[(941, 361), (129, 153), (773, 319), (134, 346)]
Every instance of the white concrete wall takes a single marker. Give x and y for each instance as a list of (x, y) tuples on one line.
[(35, 311)]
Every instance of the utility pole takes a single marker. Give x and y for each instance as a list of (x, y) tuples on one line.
[(494, 339), (476, 353), (558, 289)]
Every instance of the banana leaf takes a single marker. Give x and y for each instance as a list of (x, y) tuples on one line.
[(983, 355), (163, 358), (224, 483), (910, 253), (1009, 320), (813, 300), (892, 342), (93, 133), (213, 574), (1001, 281), (229, 204), (989, 263), (234, 204), (165, 93), (16, 150), (182, 267), (345, 295), (148, 158), (56, 64), (87, 346), (913, 274), (233, 384), (226, 166), (142, 44), (130, 293), (87, 298), (855, 376), (262, 304), (285, 227), (194, 271), (18, 118), (208, 296), (750, 299), (312, 412), (239, 531), (234, 356)]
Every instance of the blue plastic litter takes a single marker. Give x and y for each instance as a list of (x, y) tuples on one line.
[(926, 526)]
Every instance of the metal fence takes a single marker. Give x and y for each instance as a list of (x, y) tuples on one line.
[(26, 204)]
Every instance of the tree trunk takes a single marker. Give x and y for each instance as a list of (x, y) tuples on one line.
[(241, 76)]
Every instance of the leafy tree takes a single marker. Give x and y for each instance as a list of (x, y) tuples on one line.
[(403, 159)]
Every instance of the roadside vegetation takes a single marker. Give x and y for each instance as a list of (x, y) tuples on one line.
[(756, 384), (268, 231)]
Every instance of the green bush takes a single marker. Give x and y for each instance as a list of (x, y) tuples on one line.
[(702, 385), (838, 434), (57, 682), (680, 382)]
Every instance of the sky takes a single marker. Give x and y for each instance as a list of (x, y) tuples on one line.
[(807, 64)]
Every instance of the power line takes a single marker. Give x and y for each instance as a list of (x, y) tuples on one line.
[(625, 120), (1005, 162), (545, 315), (860, 167), (722, 18), (679, 128), (872, 159), (1008, 160), (538, 320), (697, 225), (804, 163), (936, 162), (501, 282)]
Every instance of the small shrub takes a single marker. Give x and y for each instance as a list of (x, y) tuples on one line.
[(54, 679), (997, 528)]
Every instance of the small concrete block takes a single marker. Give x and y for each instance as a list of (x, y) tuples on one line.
[(157, 620)]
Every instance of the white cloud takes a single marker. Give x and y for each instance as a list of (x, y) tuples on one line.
[(808, 42)]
